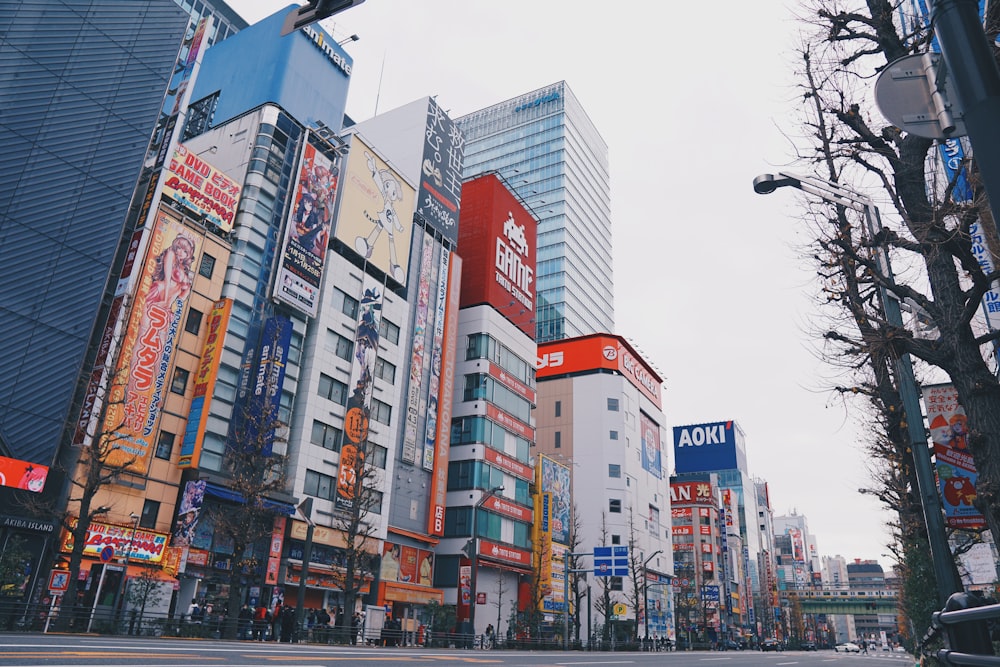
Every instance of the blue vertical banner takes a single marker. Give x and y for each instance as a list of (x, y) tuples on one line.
[(257, 405)]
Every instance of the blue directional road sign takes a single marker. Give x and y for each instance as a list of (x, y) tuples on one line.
[(611, 561)]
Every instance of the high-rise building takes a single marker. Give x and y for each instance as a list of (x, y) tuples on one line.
[(488, 522), (549, 151), (83, 86), (600, 414)]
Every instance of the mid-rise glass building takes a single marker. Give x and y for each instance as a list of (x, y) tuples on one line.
[(549, 151)]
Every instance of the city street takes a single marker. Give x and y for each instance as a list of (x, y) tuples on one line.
[(65, 650)]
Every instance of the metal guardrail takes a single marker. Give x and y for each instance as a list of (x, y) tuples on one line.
[(965, 627)]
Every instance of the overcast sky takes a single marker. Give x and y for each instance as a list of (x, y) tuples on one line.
[(693, 100)]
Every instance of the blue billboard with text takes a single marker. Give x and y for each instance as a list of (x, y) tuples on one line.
[(709, 447)]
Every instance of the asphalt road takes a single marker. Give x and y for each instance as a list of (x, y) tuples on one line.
[(18, 650)]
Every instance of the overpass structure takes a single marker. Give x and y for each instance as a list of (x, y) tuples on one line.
[(853, 602)]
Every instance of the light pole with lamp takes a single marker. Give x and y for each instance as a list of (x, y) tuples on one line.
[(906, 384), (472, 551), (645, 590), (120, 597)]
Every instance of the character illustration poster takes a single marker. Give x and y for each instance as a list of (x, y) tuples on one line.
[(356, 421), (307, 233), (956, 471), (139, 387), (376, 212)]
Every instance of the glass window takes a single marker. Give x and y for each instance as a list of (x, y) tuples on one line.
[(150, 512), (381, 412), (613, 404), (378, 456), (388, 331), (558, 439), (165, 445), (332, 389), (558, 408), (613, 435), (193, 323), (325, 436), (319, 485), (385, 370), (207, 265), (347, 304), (180, 381), (343, 347), (615, 505), (616, 539), (614, 470), (373, 502)]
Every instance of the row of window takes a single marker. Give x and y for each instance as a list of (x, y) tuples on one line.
[(334, 390), (325, 487), (484, 346), (458, 520), (474, 430), (479, 386), (465, 475), (331, 437)]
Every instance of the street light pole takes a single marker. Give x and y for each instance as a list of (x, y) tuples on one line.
[(905, 381), (645, 590), (474, 557)]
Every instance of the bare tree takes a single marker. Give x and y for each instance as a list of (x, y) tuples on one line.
[(359, 526), (88, 470), (636, 573), (145, 590), (577, 580), (929, 236)]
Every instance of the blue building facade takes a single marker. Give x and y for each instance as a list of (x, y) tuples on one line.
[(83, 82)]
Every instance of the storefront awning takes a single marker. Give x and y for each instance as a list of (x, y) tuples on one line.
[(228, 494)]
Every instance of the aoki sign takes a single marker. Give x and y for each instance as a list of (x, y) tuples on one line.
[(709, 447)]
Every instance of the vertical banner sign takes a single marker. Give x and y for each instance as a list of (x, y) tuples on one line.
[(555, 484), (441, 173), (187, 514), (418, 349), (465, 585), (439, 475), (140, 383), (355, 444), (204, 383), (274, 552), (956, 471), (434, 385), (651, 455), (307, 232), (258, 402)]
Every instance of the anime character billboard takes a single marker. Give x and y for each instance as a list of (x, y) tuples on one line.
[(376, 211), (956, 471), (307, 232)]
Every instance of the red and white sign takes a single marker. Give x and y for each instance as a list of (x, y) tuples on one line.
[(503, 553), (141, 544), (512, 383), (508, 508), (509, 464), (599, 351), (509, 422), (496, 238)]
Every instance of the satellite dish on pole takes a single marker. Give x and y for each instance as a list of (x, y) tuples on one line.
[(914, 94)]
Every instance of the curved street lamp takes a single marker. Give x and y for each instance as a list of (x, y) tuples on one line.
[(906, 385)]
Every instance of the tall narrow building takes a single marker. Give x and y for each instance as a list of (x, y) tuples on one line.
[(545, 146)]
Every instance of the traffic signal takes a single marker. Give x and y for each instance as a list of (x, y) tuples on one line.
[(315, 10)]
